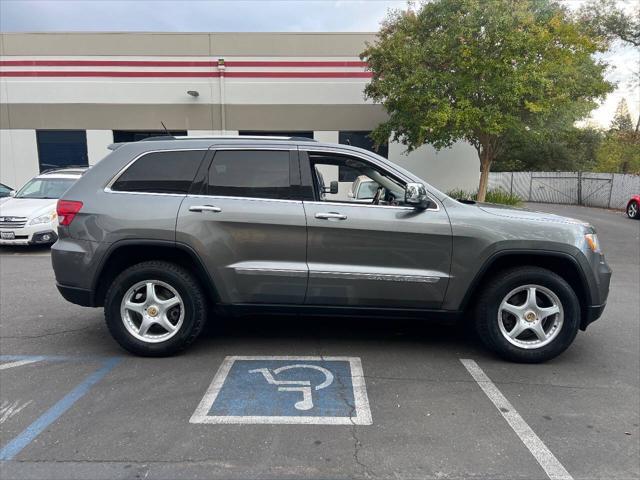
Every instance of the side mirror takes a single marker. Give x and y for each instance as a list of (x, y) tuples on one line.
[(416, 195), (350, 194), (12, 193), (333, 187)]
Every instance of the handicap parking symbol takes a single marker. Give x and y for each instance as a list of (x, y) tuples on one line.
[(303, 390)]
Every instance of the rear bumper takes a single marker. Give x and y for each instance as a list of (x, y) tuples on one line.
[(79, 296)]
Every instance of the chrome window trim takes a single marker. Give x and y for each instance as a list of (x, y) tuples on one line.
[(258, 199), (114, 179), (376, 162), (388, 277), (355, 204)]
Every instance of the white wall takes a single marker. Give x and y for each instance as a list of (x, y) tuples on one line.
[(212, 133), (18, 157), (455, 167), (326, 136), (97, 143)]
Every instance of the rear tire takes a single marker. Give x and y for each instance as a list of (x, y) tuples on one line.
[(548, 324), (633, 209), (159, 320)]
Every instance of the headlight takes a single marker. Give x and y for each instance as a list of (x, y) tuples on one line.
[(592, 242), (48, 218)]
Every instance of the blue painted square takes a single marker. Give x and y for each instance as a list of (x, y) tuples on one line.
[(264, 388)]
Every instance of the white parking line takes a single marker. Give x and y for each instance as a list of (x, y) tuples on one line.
[(546, 459), (8, 410), (19, 363)]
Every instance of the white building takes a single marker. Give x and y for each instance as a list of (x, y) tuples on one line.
[(65, 96)]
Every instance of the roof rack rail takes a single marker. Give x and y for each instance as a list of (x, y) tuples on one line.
[(67, 167), (226, 137)]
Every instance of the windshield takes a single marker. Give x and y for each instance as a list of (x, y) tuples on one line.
[(45, 188)]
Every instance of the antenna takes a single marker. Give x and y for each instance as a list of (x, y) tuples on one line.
[(166, 129)]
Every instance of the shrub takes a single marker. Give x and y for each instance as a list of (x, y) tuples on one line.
[(496, 195)]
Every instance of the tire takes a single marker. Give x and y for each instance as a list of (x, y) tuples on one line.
[(171, 283), (633, 209), (527, 347)]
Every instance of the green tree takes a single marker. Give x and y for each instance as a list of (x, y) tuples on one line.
[(477, 70), (569, 149), (620, 152), (606, 18), (622, 118)]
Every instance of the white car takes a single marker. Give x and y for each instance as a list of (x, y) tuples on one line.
[(29, 217), (363, 189)]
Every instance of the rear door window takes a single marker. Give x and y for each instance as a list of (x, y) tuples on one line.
[(161, 172), (251, 173)]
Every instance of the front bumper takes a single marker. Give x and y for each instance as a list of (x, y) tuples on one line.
[(41, 234), (602, 276)]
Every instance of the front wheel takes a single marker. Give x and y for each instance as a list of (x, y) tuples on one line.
[(155, 308), (528, 315), (633, 209)]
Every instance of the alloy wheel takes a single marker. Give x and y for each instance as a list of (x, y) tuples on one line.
[(530, 316), (152, 311)]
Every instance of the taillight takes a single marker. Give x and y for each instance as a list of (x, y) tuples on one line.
[(67, 210)]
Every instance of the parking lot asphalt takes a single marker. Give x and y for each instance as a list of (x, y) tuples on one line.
[(74, 405)]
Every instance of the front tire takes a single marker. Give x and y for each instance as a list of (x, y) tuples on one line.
[(528, 315), (633, 209), (155, 309)]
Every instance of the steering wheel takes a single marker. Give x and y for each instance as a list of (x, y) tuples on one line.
[(378, 196)]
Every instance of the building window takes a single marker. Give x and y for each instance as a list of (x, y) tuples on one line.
[(121, 136), (362, 140), (161, 172), (61, 149), (272, 133)]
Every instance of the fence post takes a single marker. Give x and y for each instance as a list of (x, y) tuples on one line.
[(579, 188), (530, 182), (610, 191), (511, 189)]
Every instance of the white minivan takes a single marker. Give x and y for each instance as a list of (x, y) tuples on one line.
[(29, 217)]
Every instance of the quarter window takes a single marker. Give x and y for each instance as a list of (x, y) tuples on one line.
[(161, 172), (250, 173)]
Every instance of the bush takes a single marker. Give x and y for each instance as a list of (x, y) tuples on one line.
[(496, 195)]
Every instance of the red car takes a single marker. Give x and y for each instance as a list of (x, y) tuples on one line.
[(633, 207)]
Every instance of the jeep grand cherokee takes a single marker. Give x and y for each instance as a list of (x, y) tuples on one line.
[(161, 232)]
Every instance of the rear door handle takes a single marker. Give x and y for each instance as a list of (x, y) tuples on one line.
[(205, 208), (331, 216)]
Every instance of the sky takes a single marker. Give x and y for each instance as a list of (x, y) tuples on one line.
[(261, 16)]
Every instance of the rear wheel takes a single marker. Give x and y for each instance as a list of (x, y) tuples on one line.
[(633, 209), (528, 314), (155, 308)]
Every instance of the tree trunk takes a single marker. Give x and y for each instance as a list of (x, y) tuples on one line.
[(485, 166)]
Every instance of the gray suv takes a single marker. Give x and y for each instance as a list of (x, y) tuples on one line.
[(163, 232)]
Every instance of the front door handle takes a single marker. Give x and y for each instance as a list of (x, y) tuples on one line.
[(331, 216), (205, 208)]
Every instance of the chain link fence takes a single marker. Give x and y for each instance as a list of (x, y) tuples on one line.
[(605, 190)]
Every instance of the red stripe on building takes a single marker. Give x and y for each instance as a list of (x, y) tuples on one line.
[(213, 74), (105, 74), (176, 63), (104, 63)]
